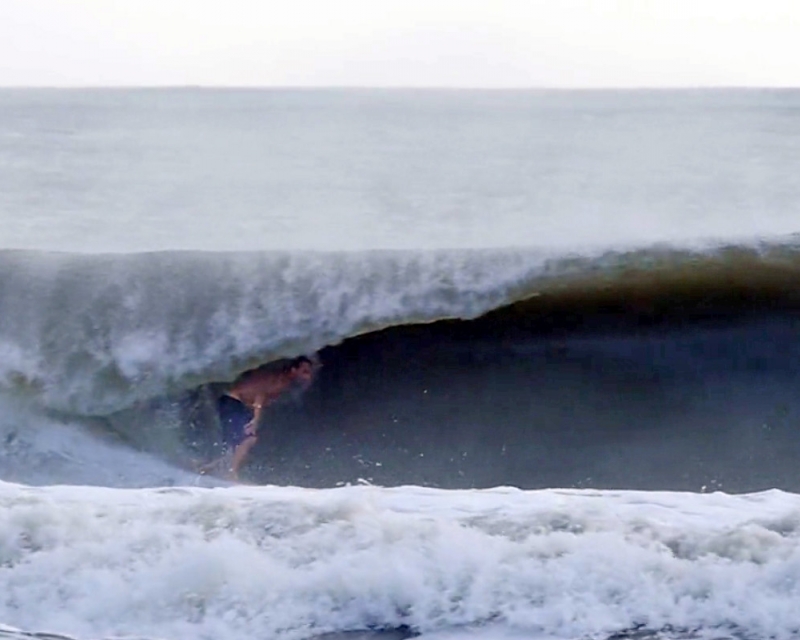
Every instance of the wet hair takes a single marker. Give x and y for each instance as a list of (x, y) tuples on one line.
[(298, 361), (281, 366)]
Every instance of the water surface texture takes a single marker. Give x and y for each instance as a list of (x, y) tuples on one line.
[(560, 395)]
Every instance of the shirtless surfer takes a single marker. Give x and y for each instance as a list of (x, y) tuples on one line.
[(241, 406)]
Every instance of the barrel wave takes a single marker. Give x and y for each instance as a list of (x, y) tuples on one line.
[(451, 368)]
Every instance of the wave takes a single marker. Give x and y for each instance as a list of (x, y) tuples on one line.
[(657, 367), (93, 334)]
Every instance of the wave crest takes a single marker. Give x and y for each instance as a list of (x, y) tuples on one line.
[(94, 334)]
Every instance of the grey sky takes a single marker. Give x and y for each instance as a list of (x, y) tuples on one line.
[(451, 43)]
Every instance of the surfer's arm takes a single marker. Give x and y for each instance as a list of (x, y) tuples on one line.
[(258, 409), (260, 402)]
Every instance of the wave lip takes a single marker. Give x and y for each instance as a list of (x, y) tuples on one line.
[(94, 334)]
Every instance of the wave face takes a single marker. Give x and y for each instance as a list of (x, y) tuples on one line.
[(453, 368)]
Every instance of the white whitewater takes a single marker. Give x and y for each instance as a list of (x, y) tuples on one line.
[(287, 562)]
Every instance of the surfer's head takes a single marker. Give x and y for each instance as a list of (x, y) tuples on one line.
[(303, 369)]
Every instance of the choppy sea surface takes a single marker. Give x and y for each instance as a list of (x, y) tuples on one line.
[(560, 393)]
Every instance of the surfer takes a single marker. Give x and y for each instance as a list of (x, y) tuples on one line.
[(240, 407)]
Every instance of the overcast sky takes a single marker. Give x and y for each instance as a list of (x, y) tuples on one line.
[(448, 43)]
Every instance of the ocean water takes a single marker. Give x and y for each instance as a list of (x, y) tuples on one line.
[(560, 393)]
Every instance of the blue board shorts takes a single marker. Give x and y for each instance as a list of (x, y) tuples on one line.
[(233, 417)]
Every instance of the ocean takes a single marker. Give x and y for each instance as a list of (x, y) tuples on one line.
[(560, 344)]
